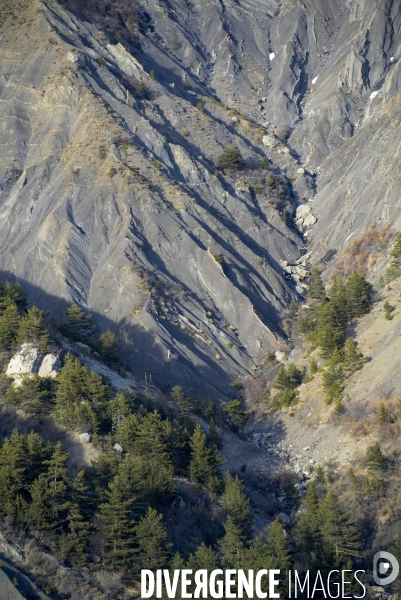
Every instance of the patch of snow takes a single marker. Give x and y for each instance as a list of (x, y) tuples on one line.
[(373, 95), (191, 92), (271, 56), (314, 80), (391, 59), (350, 235)]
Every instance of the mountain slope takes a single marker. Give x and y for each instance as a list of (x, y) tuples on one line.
[(113, 122)]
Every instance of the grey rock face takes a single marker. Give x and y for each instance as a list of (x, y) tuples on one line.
[(25, 362), (8, 589), (49, 366), (108, 191)]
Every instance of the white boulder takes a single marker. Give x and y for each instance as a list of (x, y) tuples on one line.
[(310, 220), (302, 211), (72, 57), (270, 141), (50, 366), (25, 362), (301, 272), (85, 437), (280, 356), (118, 448), (300, 171)]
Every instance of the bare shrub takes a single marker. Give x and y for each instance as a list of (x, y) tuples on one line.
[(363, 252)]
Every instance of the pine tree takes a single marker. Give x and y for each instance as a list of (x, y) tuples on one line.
[(231, 158), (70, 383), (118, 409), (32, 329), (109, 346), (12, 294), (394, 269), (204, 558), (204, 460), (288, 379), (384, 414), (13, 471), (56, 484), (177, 563), (74, 542), (269, 550), (232, 545), (291, 316), (338, 301), (40, 516), (97, 394), (150, 482), (117, 528), (307, 532), (80, 325), (353, 358), (151, 537), (180, 400), (337, 527), (376, 461), (237, 506), (358, 293), (10, 322), (153, 438), (316, 286), (236, 417), (339, 408), (38, 454), (332, 383), (328, 334), (28, 395), (81, 396)]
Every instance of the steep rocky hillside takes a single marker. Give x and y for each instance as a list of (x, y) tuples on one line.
[(113, 121)]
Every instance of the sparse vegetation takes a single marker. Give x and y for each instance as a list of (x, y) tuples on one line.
[(231, 158), (388, 310), (394, 269), (363, 252)]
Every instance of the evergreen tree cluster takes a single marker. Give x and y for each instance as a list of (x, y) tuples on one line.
[(326, 536), (17, 325), (328, 316), (286, 381)]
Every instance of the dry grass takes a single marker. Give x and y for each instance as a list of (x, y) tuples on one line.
[(365, 251)]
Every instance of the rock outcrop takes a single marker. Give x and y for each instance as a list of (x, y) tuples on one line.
[(25, 362), (28, 361), (49, 366)]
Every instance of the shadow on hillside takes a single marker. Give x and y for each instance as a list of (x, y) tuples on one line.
[(153, 357)]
